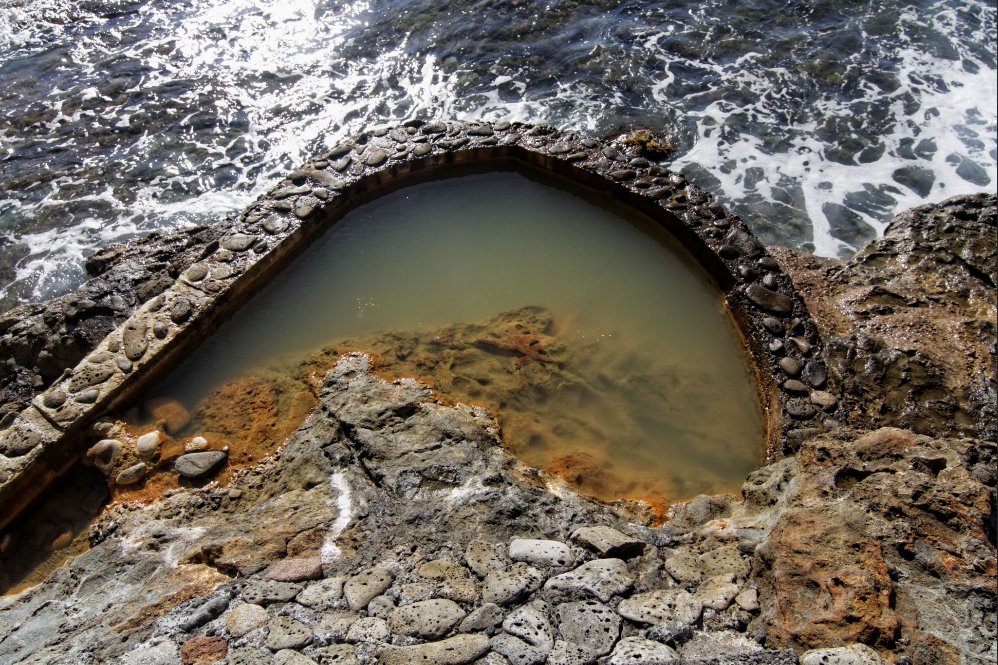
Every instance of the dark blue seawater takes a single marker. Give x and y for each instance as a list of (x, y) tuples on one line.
[(815, 120)]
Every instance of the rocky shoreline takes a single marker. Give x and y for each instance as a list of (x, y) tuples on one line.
[(394, 527)]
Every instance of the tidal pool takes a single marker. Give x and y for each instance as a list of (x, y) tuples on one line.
[(615, 367)]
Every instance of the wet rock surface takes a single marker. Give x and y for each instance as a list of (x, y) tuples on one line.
[(909, 322), (864, 534)]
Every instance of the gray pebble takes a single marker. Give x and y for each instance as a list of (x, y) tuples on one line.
[(200, 464)]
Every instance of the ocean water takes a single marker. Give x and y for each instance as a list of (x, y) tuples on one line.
[(815, 121)]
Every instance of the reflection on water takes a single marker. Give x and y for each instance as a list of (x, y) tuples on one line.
[(627, 380)]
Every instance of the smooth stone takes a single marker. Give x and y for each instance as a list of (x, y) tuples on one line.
[(608, 542), (201, 464), (288, 192), (853, 654), (790, 366), (287, 633), (660, 606), (795, 386), (134, 338), (815, 374), (434, 128), (326, 179), (245, 618), (160, 330), (428, 619), (376, 157), (274, 224), (590, 625), (196, 272), (603, 578), (322, 594), (518, 652), (457, 650), (54, 399), (196, 445), (421, 150), (623, 174), (360, 589), (768, 263), (771, 301), (639, 651), (339, 151), (305, 206), (131, 475), (825, 400), (506, 586), (264, 592), (480, 130), (124, 364), (368, 629), (540, 552), (88, 396), (239, 242), (729, 252), (531, 625)]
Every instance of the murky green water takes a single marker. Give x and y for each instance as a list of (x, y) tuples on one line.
[(651, 389)]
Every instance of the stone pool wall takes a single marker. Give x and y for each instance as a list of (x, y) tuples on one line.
[(41, 440), (395, 528)]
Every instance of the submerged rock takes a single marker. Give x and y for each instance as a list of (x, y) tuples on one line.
[(201, 464)]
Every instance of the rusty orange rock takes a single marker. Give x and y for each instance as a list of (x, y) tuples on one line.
[(203, 650)]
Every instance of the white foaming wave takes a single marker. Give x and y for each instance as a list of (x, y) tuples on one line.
[(969, 97)]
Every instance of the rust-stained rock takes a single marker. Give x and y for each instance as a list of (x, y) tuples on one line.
[(887, 536), (203, 650), (909, 322)]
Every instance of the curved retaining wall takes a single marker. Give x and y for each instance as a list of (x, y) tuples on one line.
[(784, 344)]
